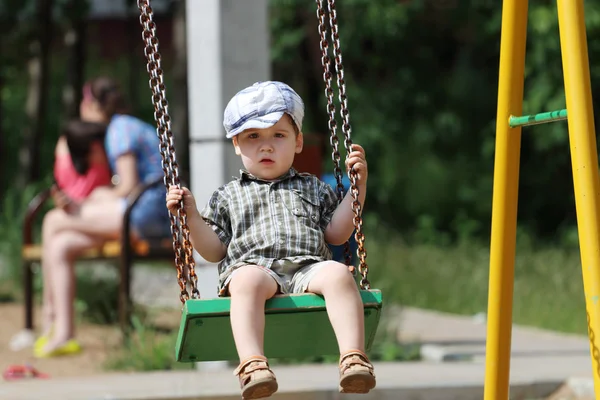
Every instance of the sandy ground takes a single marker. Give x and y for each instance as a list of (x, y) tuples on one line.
[(98, 341)]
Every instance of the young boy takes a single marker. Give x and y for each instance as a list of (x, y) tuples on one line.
[(269, 230)]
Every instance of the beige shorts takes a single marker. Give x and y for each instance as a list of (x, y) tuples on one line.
[(289, 276)]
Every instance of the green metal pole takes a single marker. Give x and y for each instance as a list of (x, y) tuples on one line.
[(535, 119)]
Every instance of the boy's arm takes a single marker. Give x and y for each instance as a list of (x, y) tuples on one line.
[(204, 239), (340, 227)]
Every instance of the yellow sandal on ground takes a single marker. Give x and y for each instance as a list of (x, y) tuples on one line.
[(70, 347), (256, 378), (41, 342), (43, 339), (356, 373)]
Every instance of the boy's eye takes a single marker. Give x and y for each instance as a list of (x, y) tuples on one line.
[(279, 135), (253, 136)]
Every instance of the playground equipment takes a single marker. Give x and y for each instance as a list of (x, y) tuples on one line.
[(296, 325), (584, 156)]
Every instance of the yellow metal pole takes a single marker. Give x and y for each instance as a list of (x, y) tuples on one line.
[(584, 159), (505, 199)]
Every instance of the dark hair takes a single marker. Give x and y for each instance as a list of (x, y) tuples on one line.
[(80, 135), (296, 129), (108, 94)]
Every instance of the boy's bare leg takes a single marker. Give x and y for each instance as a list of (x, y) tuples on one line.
[(344, 305), (249, 289), (345, 310)]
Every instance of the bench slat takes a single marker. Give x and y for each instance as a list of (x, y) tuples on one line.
[(109, 250)]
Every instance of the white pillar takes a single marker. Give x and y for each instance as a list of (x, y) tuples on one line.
[(228, 49)]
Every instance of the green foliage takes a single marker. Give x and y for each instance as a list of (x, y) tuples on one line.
[(548, 283), (12, 213), (146, 350), (422, 81), (96, 299)]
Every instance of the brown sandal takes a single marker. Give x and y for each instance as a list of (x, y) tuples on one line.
[(256, 378), (356, 373)]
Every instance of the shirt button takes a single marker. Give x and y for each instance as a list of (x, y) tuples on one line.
[(282, 241), (279, 223)]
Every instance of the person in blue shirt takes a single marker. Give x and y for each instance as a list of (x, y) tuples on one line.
[(132, 150)]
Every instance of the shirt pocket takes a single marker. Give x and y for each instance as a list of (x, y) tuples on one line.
[(304, 206)]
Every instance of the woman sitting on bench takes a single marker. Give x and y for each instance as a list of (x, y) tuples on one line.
[(132, 149)]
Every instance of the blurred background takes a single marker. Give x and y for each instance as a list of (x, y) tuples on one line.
[(421, 78)]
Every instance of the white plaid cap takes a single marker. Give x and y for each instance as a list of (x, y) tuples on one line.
[(260, 106)]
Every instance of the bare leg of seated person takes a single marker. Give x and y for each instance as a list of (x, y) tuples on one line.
[(250, 287), (65, 237), (66, 246), (49, 231), (346, 313)]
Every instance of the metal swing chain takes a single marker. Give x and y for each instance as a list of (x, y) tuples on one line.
[(363, 268), (333, 139), (181, 234)]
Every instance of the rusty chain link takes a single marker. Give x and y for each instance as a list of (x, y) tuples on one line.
[(184, 257), (346, 129), (333, 139)]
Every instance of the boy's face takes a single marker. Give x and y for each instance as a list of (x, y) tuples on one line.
[(269, 153)]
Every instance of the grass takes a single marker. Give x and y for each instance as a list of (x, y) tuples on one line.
[(548, 285), (147, 349)]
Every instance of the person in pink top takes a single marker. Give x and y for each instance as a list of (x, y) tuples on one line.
[(132, 149), (80, 164)]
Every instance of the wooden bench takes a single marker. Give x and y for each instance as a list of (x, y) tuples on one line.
[(123, 251)]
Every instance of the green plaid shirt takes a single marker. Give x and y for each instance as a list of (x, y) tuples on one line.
[(261, 221)]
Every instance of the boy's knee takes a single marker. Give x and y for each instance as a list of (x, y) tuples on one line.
[(339, 274), (340, 270), (252, 280)]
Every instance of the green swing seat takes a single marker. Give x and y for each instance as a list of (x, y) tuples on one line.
[(296, 326)]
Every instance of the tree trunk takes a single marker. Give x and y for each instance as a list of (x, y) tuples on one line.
[(74, 39), (37, 96), (180, 91)]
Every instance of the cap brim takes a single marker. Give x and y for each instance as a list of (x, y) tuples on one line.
[(262, 122)]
